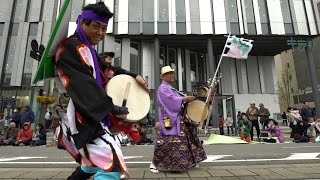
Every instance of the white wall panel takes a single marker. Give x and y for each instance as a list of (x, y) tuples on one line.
[(123, 17), (257, 16), (3, 44), (48, 11), (19, 55), (109, 43), (188, 70), (240, 16), (155, 17), (205, 17), (180, 69), (110, 5), (316, 12), (86, 2), (147, 59), (188, 18), (275, 17), (5, 9), (301, 17), (172, 17), (35, 10), (72, 28), (270, 101), (310, 15), (125, 53), (244, 76), (219, 15)]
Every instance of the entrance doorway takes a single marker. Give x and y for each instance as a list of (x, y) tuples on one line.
[(223, 105)]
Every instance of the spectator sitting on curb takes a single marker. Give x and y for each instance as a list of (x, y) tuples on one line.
[(245, 126), (40, 136), (10, 135), (25, 135), (275, 133)]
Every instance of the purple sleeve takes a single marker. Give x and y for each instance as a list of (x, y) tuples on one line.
[(170, 100)]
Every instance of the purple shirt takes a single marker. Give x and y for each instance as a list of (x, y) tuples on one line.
[(171, 102)]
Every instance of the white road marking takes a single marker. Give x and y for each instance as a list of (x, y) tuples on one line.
[(210, 159), (295, 156), (132, 157), (19, 158), (301, 147)]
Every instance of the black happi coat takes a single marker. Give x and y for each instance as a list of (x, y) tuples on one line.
[(91, 102)]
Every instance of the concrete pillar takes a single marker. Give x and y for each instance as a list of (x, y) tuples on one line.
[(313, 76), (156, 71)]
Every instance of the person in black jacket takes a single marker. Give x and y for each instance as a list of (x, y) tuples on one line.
[(40, 136)]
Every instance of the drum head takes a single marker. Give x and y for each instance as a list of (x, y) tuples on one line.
[(138, 101), (202, 91), (197, 111)]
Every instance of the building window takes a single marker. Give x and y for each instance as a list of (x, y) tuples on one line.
[(135, 16), (10, 58), (18, 10), (117, 53), (163, 56), (28, 61), (148, 16), (163, 17), (135, 57), (264, 16), (76, 10), (1, 31), (180, 17), (250, 17), (233, 17), (286, 14), (193, 67), (173, 63)]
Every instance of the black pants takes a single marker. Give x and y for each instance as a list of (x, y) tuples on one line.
[(230, 127), (48, 124), (255, 124), (285, 121), (221, 131)]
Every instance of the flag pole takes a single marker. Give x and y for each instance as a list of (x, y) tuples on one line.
[(212, 86)]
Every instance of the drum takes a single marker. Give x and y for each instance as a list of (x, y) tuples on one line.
[(125, 91), (202, 91), (197, 111)]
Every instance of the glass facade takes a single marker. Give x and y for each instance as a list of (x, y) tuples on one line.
[(135, 57), (264, 16), (148, 17), (1, 31), (250, 17), (18, 10), (117, 53), (11, 55), (173, 63), (180, 17), (28, 61), (286, 14), (163, 17), (233, 17)]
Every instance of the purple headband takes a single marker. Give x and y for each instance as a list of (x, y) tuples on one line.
[(90, 15)]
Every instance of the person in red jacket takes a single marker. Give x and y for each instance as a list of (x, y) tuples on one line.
[(25, 135)]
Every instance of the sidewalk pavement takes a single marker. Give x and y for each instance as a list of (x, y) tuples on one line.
[(252, 172)]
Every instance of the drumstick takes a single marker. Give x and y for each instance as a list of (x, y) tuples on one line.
[(126, 93)]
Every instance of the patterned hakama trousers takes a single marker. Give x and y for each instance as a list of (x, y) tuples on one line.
[(180, 152)]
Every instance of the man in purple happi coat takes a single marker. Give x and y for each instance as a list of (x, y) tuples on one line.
[(177, 147)]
